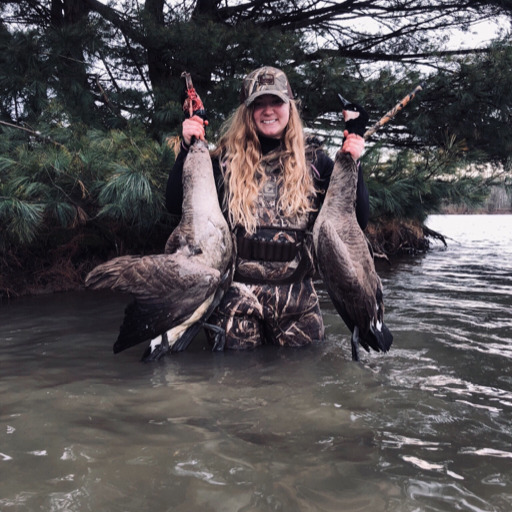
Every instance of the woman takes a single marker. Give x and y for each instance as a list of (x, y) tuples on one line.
[(270, 183)]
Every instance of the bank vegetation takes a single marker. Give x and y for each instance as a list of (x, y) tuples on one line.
[(90, 93)]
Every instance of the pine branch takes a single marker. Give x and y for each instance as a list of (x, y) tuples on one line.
[(37, 134), (108, 103)]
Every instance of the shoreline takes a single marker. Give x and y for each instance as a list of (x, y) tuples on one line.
[(25, 275), (463, 211)]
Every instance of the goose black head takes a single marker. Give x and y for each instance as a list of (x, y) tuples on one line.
[(356, 118)]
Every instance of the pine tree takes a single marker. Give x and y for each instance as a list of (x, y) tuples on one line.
[(90, 91)]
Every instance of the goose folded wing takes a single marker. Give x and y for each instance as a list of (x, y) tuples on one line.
[(337, 271)]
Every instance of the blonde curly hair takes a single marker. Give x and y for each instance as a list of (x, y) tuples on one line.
[(239, 152)]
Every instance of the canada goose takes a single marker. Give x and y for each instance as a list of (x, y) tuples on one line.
[(175, 292), (343, 256)]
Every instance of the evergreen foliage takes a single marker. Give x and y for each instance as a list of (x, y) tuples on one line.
[(90, 91), (410, 185), (89, 179)]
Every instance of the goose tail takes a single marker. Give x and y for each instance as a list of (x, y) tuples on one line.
[(379, 337)]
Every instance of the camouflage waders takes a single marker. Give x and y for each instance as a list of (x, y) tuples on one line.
[(252, 315), (272, 299)]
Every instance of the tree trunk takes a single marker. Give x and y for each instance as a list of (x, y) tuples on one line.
[(158, 70), (70, 65)]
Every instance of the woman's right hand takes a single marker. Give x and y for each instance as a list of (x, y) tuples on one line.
[(193, 127)]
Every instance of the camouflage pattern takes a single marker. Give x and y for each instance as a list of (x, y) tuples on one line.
[(270, 220), (284, 315), (259, 308), (266, 80)]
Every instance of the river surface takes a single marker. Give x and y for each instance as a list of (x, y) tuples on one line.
[(426, 427)]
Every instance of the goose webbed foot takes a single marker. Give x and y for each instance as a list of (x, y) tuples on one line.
[(219, 338), (155, 351)]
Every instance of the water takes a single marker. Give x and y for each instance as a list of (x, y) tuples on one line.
[(427, 427)]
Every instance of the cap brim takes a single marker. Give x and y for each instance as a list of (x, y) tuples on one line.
[(257, 94)]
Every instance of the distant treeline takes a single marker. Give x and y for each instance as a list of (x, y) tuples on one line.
[(499, 200)]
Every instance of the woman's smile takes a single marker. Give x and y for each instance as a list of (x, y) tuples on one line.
[(271, 115)]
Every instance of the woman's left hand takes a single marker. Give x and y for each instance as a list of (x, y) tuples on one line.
[(353, 144)]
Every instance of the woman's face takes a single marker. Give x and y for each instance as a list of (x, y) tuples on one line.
[(270, 115)]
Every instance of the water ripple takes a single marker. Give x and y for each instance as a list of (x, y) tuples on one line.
[(425, 427)]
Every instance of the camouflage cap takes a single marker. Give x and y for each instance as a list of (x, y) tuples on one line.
[(266, 80)]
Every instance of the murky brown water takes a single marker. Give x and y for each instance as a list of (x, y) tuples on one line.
[(427, 427)]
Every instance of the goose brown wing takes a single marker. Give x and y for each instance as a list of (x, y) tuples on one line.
[(349, 294), (151, 277), (336, 270), (167, 290)]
